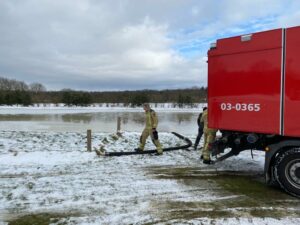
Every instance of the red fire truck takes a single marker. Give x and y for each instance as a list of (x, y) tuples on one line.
[(254, 100)]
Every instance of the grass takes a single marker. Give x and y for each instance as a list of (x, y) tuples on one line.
[(37, 219), (238, 194)]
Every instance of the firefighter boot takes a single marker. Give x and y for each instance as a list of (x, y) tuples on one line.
[(205, 161)]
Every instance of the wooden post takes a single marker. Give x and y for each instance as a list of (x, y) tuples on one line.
[(119, 125), (89, 140)]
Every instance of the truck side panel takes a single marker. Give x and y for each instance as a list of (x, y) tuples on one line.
[(292, 83), (244, 83)]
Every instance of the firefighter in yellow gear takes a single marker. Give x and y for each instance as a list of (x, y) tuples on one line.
[(209, 137), (150, 130)]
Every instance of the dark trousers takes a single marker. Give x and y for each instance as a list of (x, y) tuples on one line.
[(200, 133)]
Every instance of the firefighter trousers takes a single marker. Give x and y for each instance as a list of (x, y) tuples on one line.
[(154, 137), (209, 138)]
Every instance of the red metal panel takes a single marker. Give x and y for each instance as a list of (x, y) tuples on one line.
[(292, 83), (244, 83), (259, 41)]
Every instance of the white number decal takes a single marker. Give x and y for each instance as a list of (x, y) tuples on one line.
[(244, 107), (225, 106), (256, 107), (250, 107), (228, 106)]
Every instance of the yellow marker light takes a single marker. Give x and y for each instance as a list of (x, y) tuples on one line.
[(267, 149)]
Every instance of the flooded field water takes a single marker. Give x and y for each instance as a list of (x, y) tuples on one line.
[(182, 122)]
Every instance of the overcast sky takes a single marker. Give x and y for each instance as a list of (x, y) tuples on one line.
[(125, 44)]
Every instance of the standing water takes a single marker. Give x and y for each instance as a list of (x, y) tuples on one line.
[(98, 119)]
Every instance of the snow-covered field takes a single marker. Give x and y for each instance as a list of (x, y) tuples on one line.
[(52, 174), (50, 178)]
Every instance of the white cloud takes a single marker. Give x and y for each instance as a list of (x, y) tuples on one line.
[(123, 44)]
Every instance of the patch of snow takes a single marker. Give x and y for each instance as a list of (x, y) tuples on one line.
[(52, 172)]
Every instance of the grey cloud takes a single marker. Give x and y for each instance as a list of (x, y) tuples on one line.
[(121, 44)]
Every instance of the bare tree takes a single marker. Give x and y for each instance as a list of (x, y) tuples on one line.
[(37, 87), (20, 85), (4, 84), (12, 85)]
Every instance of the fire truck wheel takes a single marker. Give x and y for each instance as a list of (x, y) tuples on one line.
[(272, 181), (287, 171)]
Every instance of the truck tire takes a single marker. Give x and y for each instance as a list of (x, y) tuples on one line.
[(287, 171), (272, 181)]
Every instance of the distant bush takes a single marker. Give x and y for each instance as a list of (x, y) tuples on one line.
[(15, 98), (76, 98), (184, 100), (139, 99)]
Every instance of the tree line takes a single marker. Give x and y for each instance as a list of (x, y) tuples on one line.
[(18, 92)]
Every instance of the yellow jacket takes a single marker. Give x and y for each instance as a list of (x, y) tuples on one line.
[(151, 119), (204, 119)]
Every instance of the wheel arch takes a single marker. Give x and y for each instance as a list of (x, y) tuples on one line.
[(274, 150)]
